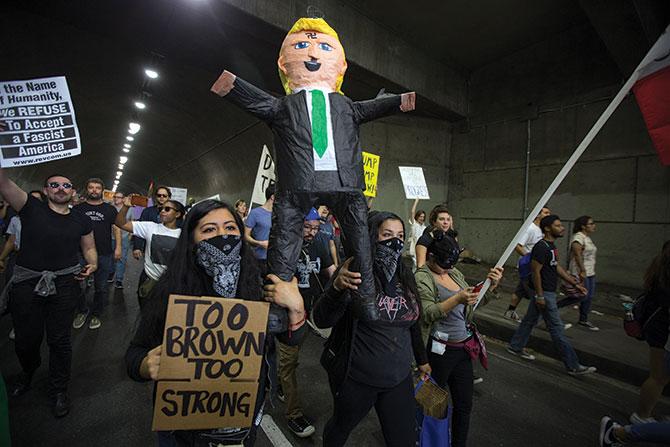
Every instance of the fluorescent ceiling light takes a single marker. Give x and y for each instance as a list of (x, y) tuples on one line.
[(140, 105), (130, 138), (153, 74), (134, 127), (123, 159), (126, 150), (127, 145), (120, 166)]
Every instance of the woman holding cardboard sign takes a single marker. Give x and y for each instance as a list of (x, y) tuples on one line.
[(211, 259), (369, 362)]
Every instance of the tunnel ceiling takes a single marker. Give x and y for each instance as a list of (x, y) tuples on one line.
[(102, 47)]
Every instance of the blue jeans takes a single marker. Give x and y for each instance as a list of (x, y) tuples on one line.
[(585, 305), (651, 432), (554, 325), (100, 277), (120, 265)]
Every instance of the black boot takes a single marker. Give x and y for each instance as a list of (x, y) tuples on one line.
[(61, 405)]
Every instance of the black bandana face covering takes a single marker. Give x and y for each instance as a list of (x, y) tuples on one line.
[(387, 256), (220, 257)]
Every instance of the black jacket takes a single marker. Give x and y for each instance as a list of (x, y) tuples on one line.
[(288, 118)]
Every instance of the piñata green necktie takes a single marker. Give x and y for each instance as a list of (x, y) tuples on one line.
[(319, 125)]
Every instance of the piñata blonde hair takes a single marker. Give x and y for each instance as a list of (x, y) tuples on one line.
[(318, 25)]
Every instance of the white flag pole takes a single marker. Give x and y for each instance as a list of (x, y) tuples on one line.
[(655, 51)]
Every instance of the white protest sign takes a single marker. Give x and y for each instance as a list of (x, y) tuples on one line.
[(413, 182), (179, 194), (265, 176), (40, 122)]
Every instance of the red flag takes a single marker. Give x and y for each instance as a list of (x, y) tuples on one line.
[(652, 92)]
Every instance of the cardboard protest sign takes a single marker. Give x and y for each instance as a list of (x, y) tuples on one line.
[(40, 122), (371, 171), (210, 363), (108, 195), (264, 177), (413, 182), (179, 194)]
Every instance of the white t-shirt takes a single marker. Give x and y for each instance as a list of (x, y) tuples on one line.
[(160, 242), (415, 232), (531, 237), (588, 254), (14, 228)]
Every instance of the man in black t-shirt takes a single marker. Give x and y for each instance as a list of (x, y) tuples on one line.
[(544, 281), (314, 269), (102, 216), (44, 290)]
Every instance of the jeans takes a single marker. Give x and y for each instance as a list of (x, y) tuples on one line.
[(288, 363), (454, 369), (651, 432), (100, 277), (585, 305), (554, 325), (32, 314), (396, 410), (120, 265)]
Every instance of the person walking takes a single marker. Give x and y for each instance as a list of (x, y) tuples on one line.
[(369, 361), (657, 303), (583, 265), (160, 239), (441, 220), (545, 270), (43, 290), (102, 216), (210, 244), (446, 323), (257, 228), (119, 269), (527, 241), (315, 267), (150, 214)]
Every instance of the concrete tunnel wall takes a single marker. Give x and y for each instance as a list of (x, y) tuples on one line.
[(619, 180)]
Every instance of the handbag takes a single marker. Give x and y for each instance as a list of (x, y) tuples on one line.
[(433, 414), (476, 348)]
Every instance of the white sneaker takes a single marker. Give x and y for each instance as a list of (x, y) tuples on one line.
[(477, 380), (636, 419), (523, 354), (512, 315), (79, 320), (95, 323), (582, 370)]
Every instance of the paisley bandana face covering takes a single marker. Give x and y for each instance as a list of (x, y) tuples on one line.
[(387, 256), (220, 257)]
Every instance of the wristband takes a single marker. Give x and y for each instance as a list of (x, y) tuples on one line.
[(539, 297)]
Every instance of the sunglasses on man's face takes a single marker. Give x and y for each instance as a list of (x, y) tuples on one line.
[(167, 209), (56, 185), (161, 195)]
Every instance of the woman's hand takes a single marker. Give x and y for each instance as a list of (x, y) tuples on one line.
[(346, 279), (284, 293), (495, 275), (151, 364), (425, 370), (466, 296)]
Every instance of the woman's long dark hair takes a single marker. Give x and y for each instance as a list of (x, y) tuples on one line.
[(184, 277), (580, 223), (657, 275), (405, 275)]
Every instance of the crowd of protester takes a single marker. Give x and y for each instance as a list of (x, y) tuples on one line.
[(63, 251)]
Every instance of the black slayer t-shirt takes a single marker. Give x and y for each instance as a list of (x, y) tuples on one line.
[(103, 217), (382, 351), (546, 254), (50, 241)]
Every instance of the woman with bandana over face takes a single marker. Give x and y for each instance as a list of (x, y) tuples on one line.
[(211, 259), (369, 362), (447, 302)]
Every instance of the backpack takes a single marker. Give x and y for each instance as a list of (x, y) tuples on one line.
[(639, 314)]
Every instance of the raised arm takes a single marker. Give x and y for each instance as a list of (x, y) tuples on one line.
[(246, 96), (384, 105), (413, 212), (14, 195), (121, 221)]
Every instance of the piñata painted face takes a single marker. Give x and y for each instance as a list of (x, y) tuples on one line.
[(311, 59)]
